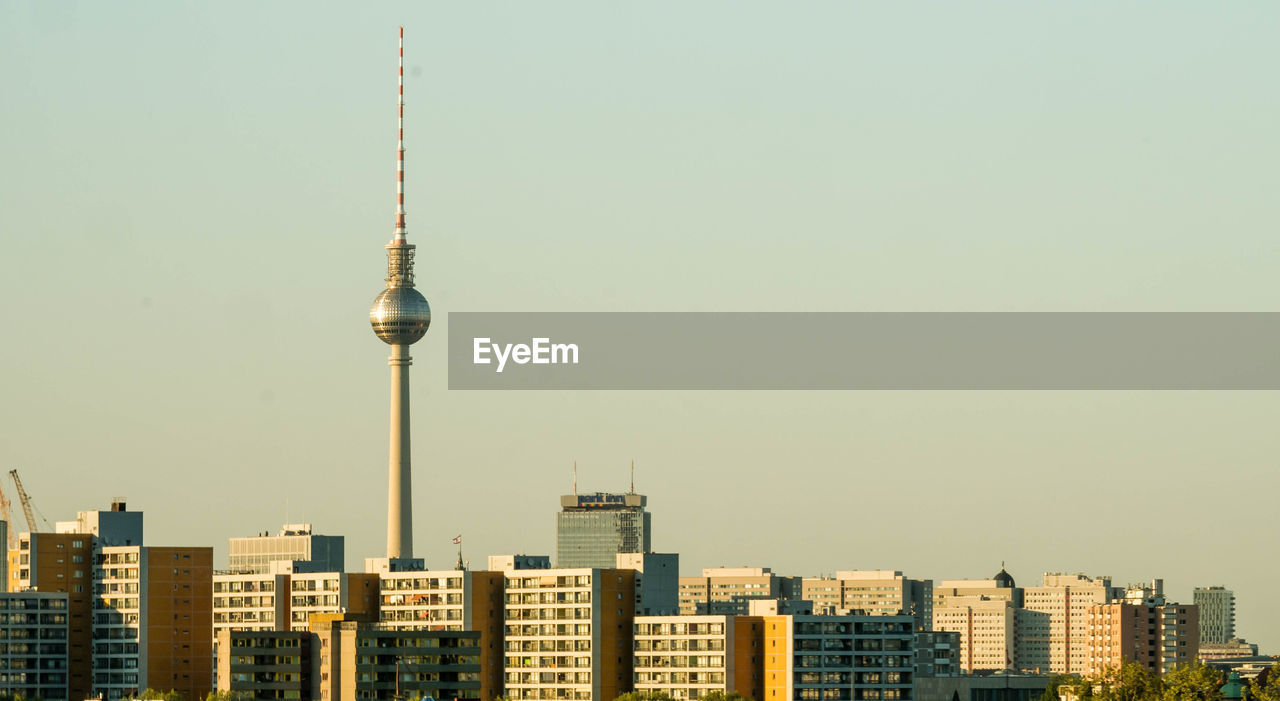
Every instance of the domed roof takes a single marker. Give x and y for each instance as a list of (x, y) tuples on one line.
[(1004, 580), (400, 315)]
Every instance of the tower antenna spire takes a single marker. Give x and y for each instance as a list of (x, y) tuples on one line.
[(575, 477), (400, 230), (633, 475)]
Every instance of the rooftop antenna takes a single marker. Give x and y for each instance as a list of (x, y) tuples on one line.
[(398, 239), (575, 477), (633, 475)]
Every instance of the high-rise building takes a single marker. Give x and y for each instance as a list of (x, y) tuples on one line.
[(1217, 614), (986, 629), (854, 658), (62, 563), (295, 548), (735, 584), (569, 633), (984, 612), (1152, 633), (152, 620), (138, 616), (364, 660), (400, 316), (450, 600), (591, 529), (33, 654), (1053, 625), (688, 657), (345, 657)]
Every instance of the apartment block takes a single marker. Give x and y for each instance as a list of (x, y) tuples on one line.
[(872, 593), (331, 592), (248, 601), (986, 628), (265, 664), (568, 633), (1155, 634), (152, 625), (937, 654), (359, 659), (345, 657), (33, 645), (62, 563), (838, 658), (1053, 625), (688, 657), (726, 584), (450, 600), (985, 614), (137, 616)]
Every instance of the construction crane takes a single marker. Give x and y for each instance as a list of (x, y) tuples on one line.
[(8, 520), (27, 510)]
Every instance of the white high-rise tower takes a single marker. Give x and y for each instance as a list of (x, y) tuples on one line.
[(400, 316)]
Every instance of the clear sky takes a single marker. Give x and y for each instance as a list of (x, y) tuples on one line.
[(194, 200)]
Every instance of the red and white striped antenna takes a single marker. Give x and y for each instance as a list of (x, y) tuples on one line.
[(399, 239)]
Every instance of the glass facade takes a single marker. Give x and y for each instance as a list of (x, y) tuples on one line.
[(593, 536)]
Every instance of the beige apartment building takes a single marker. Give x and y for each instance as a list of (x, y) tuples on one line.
[(250, 601), (450, 600), (727, 584), (568, 633), (872, 593), (688, 657), (986, 628), (985, 613), (1053, 627)]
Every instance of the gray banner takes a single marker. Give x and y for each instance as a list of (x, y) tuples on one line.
[(799, 350)]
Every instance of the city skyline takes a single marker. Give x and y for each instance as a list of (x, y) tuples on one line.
[(781, 163)]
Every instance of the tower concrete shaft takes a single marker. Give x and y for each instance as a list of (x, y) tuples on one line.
[(400, 485)]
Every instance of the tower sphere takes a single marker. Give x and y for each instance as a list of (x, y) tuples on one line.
[(400, 315)]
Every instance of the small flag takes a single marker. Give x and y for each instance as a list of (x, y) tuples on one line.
[(458, 540)]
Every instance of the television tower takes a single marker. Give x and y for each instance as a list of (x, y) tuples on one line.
[(400, 316)]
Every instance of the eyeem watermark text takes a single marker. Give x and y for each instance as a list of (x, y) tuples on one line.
[(540, 351)]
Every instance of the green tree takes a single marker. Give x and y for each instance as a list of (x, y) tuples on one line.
[(1060, 682), (721, 696), (154, 695), (1129, 682), (230, 696), (644, 696), (1193, 682), (1266, 686)]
